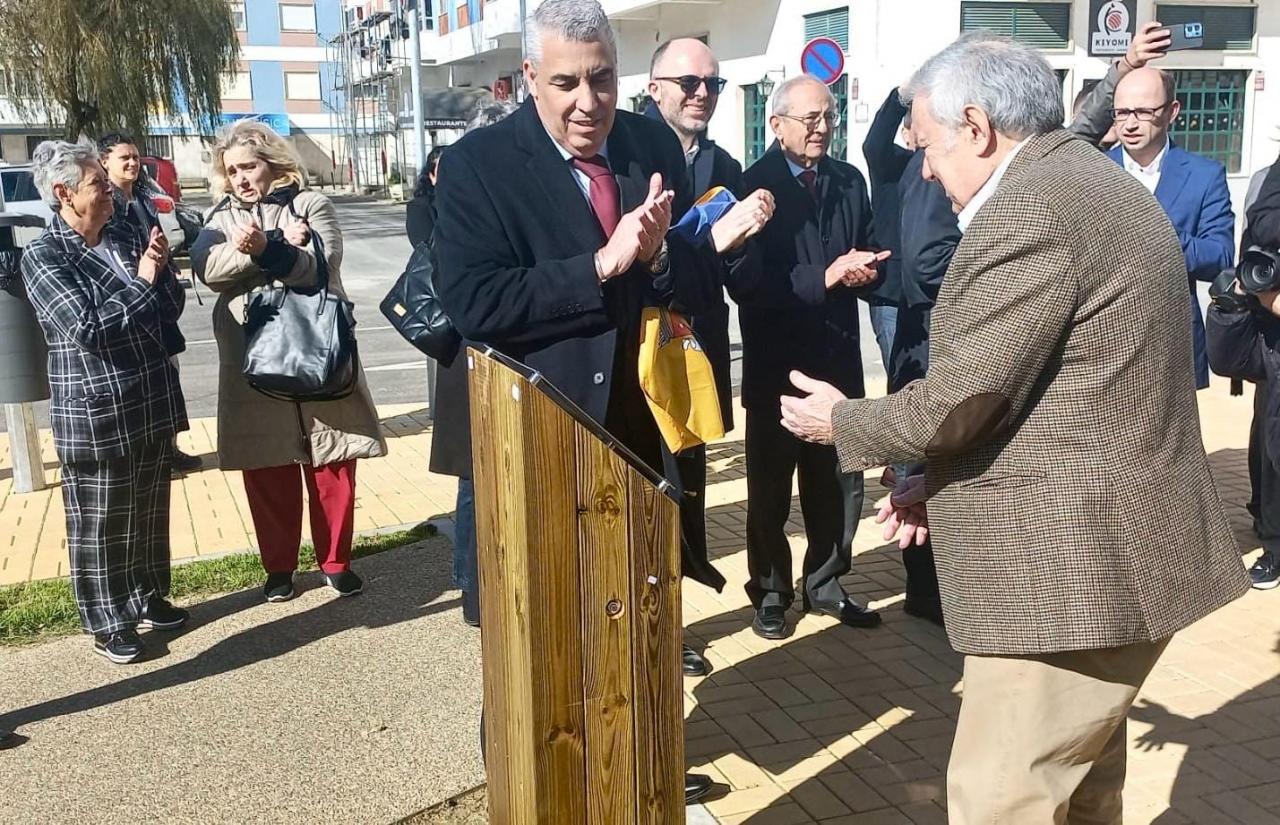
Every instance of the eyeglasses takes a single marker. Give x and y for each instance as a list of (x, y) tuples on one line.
[(811, 122), (1144, 115), (690, 83)]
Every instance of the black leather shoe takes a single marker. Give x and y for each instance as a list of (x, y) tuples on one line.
[(853, 615), (696, 787), (693, 664), (928, 609), (770, 622), (471, 607)]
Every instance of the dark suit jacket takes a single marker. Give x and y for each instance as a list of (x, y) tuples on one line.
[(113, 386), (126, 219), (1193, 191), (794, 322), (515, 240), (886, 164)]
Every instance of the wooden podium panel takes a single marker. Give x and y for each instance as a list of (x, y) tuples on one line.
[(580, 608)]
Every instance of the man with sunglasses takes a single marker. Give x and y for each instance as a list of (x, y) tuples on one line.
[(817, 260), (684, 87), (1192, 189)]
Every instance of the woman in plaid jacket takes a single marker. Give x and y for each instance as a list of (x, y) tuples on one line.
[(107, 307)]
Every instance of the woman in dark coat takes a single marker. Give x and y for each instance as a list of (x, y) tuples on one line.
[(451, 431), (420, 213)]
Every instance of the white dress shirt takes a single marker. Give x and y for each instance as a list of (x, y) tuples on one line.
[(579, 177), (1149, 175), (989, 188)]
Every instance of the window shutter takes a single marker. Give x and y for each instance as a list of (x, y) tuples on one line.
[(833, 24), (1040, 25)]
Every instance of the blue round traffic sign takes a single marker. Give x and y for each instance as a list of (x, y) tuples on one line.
[(823, 58)]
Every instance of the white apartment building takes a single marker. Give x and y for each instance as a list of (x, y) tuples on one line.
[(1230, 89)]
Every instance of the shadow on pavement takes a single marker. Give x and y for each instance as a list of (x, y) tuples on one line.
[(399, 588)]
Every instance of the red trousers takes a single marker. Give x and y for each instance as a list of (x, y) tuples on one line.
[(275, 502)]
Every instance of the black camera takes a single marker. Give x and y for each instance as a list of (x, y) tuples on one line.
[(1259, 270)]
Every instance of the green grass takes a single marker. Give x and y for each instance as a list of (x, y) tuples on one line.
[(42, 610)]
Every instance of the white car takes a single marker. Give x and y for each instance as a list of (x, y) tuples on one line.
[(18, 195)]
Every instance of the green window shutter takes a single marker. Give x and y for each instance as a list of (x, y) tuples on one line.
[(833, 24), (1226, 28), (1041, 25)]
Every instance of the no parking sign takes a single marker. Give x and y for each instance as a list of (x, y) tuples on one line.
[(823, 58)]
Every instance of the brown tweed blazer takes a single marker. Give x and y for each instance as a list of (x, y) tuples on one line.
[(1071, 502)]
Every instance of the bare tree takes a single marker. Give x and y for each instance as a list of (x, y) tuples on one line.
[(98, 65)]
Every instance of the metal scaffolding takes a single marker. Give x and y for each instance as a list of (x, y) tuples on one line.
[(369, 88)]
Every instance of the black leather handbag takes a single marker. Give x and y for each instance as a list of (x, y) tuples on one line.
[(413, 308), (301, 345)]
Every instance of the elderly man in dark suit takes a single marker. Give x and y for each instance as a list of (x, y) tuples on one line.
[(551, 231), (684, 88), (109, 311), (816, 261), (1058, 418)]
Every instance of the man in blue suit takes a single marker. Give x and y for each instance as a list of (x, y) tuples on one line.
[(1192, 189)]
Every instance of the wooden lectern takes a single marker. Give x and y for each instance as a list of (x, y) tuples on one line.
[(580, 609)]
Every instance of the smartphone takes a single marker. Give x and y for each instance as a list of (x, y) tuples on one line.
[(1186, 36)]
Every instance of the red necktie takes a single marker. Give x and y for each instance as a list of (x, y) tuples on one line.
[(810, 180), (603, 191)]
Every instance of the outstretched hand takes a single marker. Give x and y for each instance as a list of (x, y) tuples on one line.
[(809, 417)]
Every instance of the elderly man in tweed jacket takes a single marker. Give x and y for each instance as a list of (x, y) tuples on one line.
[(109, 311), (1074, 520)]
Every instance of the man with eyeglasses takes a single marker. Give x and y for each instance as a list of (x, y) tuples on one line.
[(817, 260), (684, 88), (1192, 189)]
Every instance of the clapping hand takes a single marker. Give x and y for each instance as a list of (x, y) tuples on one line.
[(639, 233), (903, 513), (809, 418), (249, 238), (155, 257), (297, 234), (747, 217), (855, 268)]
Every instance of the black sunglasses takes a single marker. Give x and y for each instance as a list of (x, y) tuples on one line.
[(689, 83)]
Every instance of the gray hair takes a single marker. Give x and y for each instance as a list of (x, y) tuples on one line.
[(577, 21), (780, 100), (56, 161), (491, 113), (1011, 82)]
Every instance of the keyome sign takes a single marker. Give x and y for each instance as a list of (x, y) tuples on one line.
[(1112, 25)]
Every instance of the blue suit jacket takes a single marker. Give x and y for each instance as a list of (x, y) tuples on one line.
[(1193, 191)]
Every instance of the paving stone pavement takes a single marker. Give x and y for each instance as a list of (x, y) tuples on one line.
[(832, 725)]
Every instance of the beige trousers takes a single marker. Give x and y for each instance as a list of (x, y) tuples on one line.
[(1041, 739)]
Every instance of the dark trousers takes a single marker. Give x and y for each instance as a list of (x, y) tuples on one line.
[(830, 501), (118, 534), (465, 567), (275, 503), (687, 470)]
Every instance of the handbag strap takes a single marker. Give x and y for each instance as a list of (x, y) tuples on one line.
[(317, 248)]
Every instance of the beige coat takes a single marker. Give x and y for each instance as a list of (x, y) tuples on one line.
[(255, 431), (1072, 506)]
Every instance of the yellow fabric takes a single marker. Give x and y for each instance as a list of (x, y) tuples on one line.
[(677, 380)]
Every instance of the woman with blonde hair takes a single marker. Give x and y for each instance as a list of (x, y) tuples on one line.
[(258, 234)]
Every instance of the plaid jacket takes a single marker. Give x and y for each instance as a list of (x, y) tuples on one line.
[(125, 219), (1071, 502), (113, 386)]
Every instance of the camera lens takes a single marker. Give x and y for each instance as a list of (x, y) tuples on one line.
[(1259, 270)]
